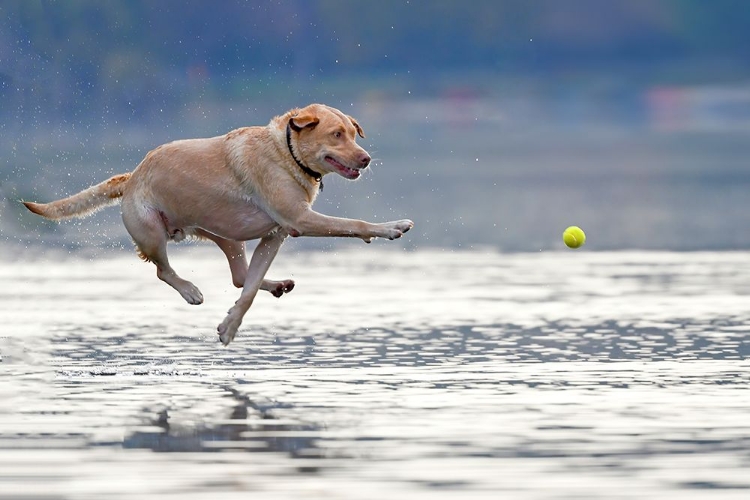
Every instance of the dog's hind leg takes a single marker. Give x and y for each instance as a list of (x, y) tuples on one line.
[(235, 253), (148, 230)]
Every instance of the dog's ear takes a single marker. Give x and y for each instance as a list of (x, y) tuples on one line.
[(303, 119), (356, 126)]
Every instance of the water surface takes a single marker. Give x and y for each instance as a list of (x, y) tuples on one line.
[(384, 374)]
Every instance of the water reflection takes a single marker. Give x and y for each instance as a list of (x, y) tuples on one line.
[(250, 427)]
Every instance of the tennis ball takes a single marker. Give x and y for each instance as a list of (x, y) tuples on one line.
[(574, 237)]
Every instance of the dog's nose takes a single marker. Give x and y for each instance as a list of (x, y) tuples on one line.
[(364, 160)]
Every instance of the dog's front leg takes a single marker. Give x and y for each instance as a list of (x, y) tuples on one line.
[(311, 223), (259, 264)]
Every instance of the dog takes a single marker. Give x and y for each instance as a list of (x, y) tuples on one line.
[(252, 183)]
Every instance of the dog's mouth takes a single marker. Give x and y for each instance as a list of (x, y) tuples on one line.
[(349, 173)]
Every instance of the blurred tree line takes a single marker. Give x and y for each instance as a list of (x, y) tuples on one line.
[(443, 31), (234, 36), (132, 54)]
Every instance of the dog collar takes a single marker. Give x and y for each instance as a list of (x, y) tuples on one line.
[(312, 173)]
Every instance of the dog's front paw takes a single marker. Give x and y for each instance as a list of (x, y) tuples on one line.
[(396, 229), (228, 328)]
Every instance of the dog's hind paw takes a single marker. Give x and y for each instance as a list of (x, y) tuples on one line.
[(190, 293)]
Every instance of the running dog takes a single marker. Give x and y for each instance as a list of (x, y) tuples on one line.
[(253, 182)]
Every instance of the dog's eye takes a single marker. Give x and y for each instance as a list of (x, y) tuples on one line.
[(337, 134)]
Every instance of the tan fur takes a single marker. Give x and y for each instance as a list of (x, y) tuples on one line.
[(232, 188)]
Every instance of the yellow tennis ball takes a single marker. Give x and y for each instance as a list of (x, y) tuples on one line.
[(574, 237)]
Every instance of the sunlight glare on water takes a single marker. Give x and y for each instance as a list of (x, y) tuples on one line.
[(426, 374)]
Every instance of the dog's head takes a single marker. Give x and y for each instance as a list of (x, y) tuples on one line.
[(324, 139)]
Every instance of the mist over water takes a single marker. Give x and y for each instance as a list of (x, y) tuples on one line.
[(475, 185)]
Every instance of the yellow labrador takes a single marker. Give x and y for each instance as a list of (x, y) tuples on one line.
[(254, 182)]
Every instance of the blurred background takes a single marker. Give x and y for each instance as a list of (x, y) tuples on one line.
[(494, 123)]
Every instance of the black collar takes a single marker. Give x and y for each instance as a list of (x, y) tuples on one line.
[(312, 173)]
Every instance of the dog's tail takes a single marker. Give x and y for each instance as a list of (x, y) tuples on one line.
[(84, 203)]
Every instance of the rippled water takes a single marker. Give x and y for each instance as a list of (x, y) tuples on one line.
[(384, 374)]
